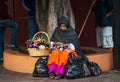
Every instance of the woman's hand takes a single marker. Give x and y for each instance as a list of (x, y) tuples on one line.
[(65, 46)]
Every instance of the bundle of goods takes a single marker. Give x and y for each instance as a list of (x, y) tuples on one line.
[(39, 45)]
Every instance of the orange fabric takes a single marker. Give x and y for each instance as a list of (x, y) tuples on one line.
[(60, 57), (71, 51), (54, 57), (63, 58)]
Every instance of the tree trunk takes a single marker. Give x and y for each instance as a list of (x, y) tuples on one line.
[(48, 12)]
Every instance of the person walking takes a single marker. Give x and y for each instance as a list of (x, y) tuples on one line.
[(29, 6), (103, 20), (5, 21)]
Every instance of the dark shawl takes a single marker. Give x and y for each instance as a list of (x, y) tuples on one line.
[(66, 36)]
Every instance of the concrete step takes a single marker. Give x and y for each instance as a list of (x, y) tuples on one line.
[(19, 62)]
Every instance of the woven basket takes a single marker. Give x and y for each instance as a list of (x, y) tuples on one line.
[(40, 52)]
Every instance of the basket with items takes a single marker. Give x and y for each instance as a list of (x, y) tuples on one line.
[(39, 45)]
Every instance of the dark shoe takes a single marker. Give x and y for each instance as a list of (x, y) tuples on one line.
[(58, 77), (100, 47), (15, 47), (51, 76), (1, 60)]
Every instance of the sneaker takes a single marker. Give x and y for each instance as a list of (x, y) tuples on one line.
[(58, 77), (1, 60), (15, 47), (51, 76)]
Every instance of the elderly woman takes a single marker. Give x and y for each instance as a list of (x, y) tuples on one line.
[(66, 36)]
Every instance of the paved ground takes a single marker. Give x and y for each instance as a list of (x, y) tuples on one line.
[(9, 76)]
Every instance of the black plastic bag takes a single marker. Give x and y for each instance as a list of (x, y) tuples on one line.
[(41, 69), (95, 69), (86, 68), (73, 69), (72, 59)]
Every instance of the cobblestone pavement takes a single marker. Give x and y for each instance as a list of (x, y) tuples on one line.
[(9, 76)]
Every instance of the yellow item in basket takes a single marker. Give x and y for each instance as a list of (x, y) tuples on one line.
[(40, 49)]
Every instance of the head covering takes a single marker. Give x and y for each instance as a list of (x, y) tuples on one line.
[(66, 36)]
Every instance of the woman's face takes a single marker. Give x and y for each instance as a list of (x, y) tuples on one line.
[(63, 27)]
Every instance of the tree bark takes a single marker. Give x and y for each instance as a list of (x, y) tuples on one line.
[(48, 12)]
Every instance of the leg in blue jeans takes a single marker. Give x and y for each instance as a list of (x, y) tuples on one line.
[(2, 32), (14, 27), (31, 27), (3, 26)]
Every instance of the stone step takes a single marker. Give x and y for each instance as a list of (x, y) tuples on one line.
[(19, 62)]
